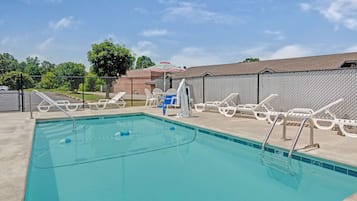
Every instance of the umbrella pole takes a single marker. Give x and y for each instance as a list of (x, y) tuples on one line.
[(164, 80)]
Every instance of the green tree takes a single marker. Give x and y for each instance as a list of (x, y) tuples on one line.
[(109, 59), (48, 81), (70, 72), (47, 66), (144, 62), (12, 80), (7, 63), (250, 59), (33, 68)]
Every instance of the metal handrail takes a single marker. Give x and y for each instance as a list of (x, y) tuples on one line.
[(44, 97), (311, 144), (267, 136)]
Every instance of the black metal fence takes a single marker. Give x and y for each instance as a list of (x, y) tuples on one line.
[(75, 89)]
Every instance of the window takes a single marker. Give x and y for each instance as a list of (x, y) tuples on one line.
[(349, 64)]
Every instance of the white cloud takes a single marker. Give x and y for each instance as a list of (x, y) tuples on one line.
[(278, 35), (196, 13), (4, 41), (146, 48), (305, 6), (194, 56), (155, 32), (45, 44), (62, 23), (340, 12), (351, 49), (289, 51), (9, 40)]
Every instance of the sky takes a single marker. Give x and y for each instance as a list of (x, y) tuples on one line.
[(185, 33)]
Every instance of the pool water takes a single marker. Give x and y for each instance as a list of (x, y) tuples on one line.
[(142, 158)]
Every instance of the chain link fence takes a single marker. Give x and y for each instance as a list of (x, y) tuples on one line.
[(310, 89)]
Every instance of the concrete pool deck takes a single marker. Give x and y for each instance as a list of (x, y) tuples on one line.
[(16, 132)]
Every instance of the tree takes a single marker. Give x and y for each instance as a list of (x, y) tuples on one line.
[(12, 80), (70, 72), (48, 81), (47, 66), (250, 59), (7, 63), (109, 59), (144, 62), (33, 68)]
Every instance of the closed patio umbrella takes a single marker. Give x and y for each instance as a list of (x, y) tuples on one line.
[(165, 67)]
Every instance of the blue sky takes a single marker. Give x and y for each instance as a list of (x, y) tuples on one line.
[(189, 33)]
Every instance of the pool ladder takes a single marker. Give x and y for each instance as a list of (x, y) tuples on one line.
[(297, 136), (52, 103)]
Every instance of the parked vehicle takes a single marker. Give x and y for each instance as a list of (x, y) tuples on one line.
[(4, 88)]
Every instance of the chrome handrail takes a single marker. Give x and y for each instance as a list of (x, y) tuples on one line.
[(311, 144), (41, 95), (271, 130)]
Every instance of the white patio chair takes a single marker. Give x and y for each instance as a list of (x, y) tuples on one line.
[(171, 91), (151, 100), (117, 100), (327, 123), (157, 91), (230, 100), (300, 113), (258, 110), (47, 103)]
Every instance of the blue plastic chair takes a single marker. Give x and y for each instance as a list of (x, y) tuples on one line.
[(170, 100)]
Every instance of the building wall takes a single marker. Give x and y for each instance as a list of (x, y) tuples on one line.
[(136, 81)]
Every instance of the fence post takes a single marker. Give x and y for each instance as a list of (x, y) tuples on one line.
[(22, 92), (203, 89), (258, 87), (83, 92), (131, 91)]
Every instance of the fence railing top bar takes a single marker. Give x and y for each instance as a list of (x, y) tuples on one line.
[(267, 73)]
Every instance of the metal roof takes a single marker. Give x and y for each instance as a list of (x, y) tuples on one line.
[(322, 62)]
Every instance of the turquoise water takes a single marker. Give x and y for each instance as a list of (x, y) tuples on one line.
[(156, 160)]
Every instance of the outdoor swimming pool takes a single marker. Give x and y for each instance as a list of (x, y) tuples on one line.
[(139, 157)]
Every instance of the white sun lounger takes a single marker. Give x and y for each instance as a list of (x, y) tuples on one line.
[(300, 113), (214, 105), (47, 102), (331, 120), (258, 110), (117, 100)]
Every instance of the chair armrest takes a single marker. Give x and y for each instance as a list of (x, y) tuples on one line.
[(62, 101), (103, 100)]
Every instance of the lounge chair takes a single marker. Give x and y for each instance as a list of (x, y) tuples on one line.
[(214, 105), (258, 110), (47, 103), (117, 100), (300, 113), (330, 120), (151, 100)]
